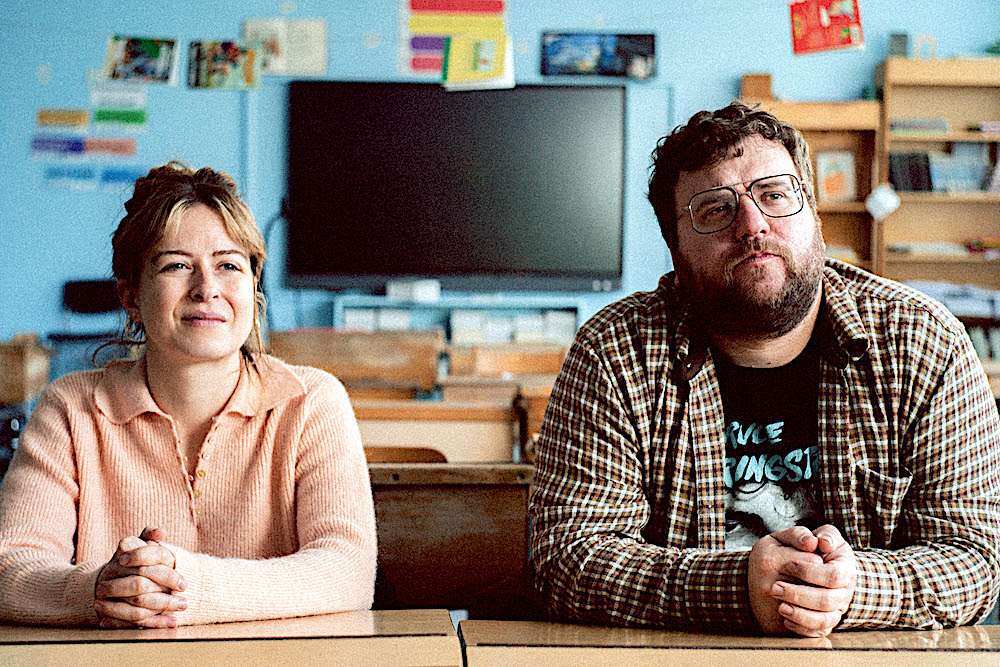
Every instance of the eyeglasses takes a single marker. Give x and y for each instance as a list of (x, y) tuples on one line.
[(775, 196)]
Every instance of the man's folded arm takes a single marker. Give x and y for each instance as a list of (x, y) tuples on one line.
[(945, 568)]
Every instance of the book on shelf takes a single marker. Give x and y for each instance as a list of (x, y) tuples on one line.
[(994, 184), (835, 176), (965, 169), (936, 125), (910, 172)]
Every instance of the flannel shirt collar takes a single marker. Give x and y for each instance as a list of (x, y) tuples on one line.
[(842, 331), (843, 336), (122, 393)]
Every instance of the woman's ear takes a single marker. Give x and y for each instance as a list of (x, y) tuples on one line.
[(128, 298)]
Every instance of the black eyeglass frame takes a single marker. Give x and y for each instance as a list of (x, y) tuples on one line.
[(749, 188)]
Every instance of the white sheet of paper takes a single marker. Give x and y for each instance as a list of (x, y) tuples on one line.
[(289, 46)]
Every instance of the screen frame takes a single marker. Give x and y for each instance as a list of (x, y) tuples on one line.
[(531, 281)]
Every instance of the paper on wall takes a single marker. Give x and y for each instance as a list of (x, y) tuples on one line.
[(288, 46)]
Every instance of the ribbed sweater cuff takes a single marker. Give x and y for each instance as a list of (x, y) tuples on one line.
[(187, 565), (79, 593)]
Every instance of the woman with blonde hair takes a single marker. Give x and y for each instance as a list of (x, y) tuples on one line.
[(205, 481)]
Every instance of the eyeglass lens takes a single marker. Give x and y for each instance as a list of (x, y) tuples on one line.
[(775, 196)]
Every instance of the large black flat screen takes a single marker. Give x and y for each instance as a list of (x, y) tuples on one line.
[(485, 190)]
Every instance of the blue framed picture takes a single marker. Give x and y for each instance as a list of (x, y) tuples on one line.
[(599, 54)]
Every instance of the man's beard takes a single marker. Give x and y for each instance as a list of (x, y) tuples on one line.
[(732, 308)]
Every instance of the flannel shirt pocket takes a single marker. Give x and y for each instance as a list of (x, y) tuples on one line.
[(883, 495)]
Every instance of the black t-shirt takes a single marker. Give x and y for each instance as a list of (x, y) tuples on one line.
[(772, 461)]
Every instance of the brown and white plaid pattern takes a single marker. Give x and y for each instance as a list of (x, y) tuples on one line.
[(628, 504)]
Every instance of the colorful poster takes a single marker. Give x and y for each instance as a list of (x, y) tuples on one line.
[(426, 25), (825, 25), (144, 59), (222, 65), (604, 54)]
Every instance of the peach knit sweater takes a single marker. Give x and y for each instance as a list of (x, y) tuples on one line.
[(277, 520)]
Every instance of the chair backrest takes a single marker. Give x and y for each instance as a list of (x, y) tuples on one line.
[(387, 359), (472, 432), (403, 455), (506, 359)]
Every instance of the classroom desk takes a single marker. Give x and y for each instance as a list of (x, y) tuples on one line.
[(529, 643), (404, 637)]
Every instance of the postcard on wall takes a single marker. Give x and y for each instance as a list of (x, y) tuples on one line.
[(142, 59), (229, 65), (825, 25), (426, 25), (602, 54), (478, 63), (835, 176), (288, 46)]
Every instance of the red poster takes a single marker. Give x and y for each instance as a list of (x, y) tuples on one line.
[(824, 25)]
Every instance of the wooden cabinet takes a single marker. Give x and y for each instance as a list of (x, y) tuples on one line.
[(842, 127), (925, 236)]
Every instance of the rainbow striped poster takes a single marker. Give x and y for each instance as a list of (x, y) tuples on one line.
[(426, 25)]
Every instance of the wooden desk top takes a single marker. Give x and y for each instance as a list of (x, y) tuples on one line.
[(524, 642), (388, 637)]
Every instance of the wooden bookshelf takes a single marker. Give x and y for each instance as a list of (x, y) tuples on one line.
[(851, 126), (963, 92), (972, 72), (841, 207)]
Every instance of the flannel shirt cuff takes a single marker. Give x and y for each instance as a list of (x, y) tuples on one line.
[(715, 588), (877, 596)]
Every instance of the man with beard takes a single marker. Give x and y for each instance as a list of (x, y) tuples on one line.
[(769, 440)]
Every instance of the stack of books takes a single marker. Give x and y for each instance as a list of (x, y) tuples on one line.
[(965, 169), (936, 125), (910, 172)]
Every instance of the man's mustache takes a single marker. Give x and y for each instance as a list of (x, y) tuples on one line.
[(757, 245)]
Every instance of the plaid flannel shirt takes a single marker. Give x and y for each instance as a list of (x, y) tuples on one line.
[(628, 504)]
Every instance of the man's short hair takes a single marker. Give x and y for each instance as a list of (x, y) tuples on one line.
[(708, 138)]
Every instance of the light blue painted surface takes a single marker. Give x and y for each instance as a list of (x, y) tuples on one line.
[(50, 235)]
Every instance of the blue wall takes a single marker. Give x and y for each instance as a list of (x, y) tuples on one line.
[(51, 235)]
